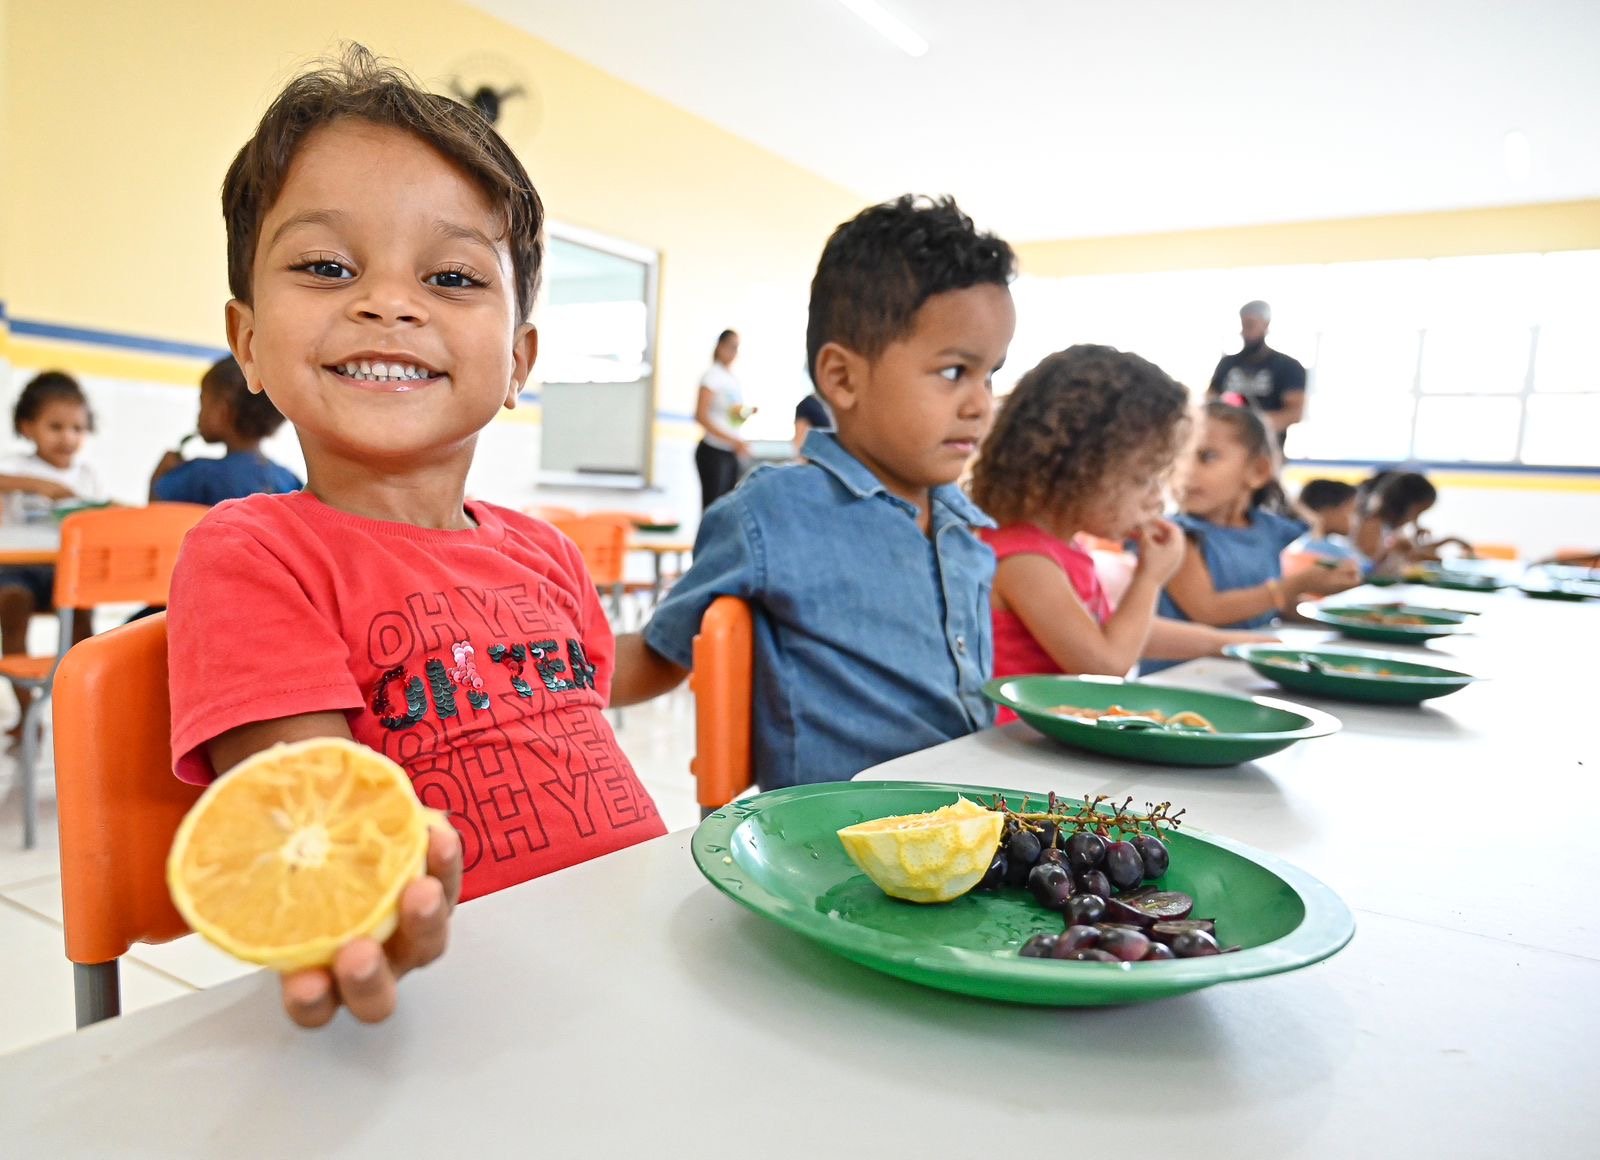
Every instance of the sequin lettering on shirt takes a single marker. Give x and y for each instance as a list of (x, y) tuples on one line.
[(547, 660), (416, 699)]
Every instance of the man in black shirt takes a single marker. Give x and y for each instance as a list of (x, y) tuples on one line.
[(1268, 380)]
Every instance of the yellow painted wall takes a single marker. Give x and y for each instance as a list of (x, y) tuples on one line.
[(1571, 225), (123, 117)]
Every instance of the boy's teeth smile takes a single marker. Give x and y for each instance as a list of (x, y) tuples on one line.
[(368, 371)]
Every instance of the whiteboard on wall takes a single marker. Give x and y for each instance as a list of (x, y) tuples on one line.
[(597, 319), (596, 433)]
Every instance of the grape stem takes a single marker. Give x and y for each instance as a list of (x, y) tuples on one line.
[(1091, 817)]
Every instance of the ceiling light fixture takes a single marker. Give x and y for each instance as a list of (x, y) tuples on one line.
[(889, 26)]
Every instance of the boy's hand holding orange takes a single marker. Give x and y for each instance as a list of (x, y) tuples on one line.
[(316, 859)]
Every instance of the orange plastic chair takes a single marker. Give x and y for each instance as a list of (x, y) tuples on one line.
[(603, 541), (550, 514), (109, 556), (724, 661), (1494, 551), (119, 805)]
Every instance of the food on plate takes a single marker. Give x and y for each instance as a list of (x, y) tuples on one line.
[(1183, 719), (297, 850), (1319, 665), (931, 857)]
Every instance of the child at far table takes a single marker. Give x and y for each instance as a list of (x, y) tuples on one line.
[(868, 584), (1082, 445), (53, 414), (239, 419), (383, 253), (1331, 506)]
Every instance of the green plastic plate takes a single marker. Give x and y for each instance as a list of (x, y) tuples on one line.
[(1247, 727), (1562, 590), (1345, 617), (1384, 679), (779, 854), (657, 527), (1460, 579)]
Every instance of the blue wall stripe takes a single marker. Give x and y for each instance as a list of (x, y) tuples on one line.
[(26, 328)]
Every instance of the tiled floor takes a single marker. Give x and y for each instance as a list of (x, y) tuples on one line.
[(35, 977)]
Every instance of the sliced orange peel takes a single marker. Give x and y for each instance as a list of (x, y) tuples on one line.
[(930, 857), (297, 850)]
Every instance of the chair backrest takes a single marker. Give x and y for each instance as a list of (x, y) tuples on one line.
[(117, 799), (603, 540), (550, 512), (724, 660), (121, 555), (1494, 551)]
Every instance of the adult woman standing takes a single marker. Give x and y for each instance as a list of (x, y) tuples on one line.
[(719, 411)]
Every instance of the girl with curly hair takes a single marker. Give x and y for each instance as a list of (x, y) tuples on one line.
[(1082, 445)]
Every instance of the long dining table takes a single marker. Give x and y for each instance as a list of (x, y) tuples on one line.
[(624, 1007)]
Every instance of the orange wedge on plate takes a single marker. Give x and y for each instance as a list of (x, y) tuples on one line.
[(931, 857), (297, 850)]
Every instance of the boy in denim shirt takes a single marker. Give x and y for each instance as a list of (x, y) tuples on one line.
[(870, 590)]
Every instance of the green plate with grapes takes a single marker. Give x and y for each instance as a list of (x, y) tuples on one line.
[(1245, 727), (1351, 676), (1393, 623), (779, 855)]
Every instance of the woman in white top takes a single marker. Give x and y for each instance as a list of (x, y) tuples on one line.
[(720, 410)]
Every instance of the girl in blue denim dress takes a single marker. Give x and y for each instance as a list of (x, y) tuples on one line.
[(1235, 516)]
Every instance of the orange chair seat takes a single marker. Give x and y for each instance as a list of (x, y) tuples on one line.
[(19, 667)]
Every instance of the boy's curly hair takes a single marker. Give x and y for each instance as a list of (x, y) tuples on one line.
[(1080, 415), (358, 85), (44, 388), (879, 267)]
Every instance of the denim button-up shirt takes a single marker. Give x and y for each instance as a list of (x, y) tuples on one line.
[(872, 638)]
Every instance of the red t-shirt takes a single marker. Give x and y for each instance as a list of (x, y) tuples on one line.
[(479, 660), (1016, 652)]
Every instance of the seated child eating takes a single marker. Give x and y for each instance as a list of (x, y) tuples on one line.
[(1233, 513), (387, 319), (1082, 445), (869, 586), (239, 419), (53, 414), (1331, 506)]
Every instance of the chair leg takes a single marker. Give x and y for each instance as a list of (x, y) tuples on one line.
[(96, 991), (27, 768)]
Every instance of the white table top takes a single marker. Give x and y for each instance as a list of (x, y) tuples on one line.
[(28, 537), (623, 1007)]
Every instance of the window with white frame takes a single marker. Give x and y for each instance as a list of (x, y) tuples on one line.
[(1492, 359)]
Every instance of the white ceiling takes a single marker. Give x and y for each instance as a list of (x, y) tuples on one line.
[(1065, 118)]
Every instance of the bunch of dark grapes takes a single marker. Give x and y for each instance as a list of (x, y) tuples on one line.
[(1091, 866)]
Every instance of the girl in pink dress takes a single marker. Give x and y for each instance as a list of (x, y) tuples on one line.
[(1083, 445)]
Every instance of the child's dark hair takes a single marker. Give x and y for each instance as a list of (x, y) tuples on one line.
[(879, 267), (1080, 414), (359, 86), (1394, 493), (1251, 430), (43, 389), (1323, 495), (254, 416)]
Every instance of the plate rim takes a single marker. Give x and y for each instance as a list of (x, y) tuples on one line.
[(1326, 928), (1319, 722), (1245, 652), (1314, 610)]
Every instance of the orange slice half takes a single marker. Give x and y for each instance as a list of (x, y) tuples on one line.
[(930, 857), (297, 850)]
